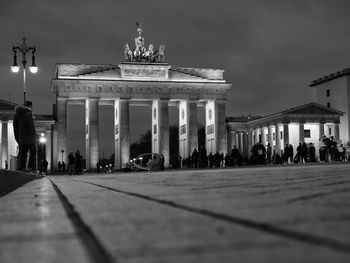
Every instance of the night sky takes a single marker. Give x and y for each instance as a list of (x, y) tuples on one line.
[(271, 50)]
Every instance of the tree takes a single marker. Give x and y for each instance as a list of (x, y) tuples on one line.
[(143, 145)]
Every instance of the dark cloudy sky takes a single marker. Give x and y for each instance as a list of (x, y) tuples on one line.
[(271, 50)]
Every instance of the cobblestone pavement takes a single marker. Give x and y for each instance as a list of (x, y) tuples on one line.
[(261, 214)]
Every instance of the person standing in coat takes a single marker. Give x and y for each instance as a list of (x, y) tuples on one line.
[(25, 135)]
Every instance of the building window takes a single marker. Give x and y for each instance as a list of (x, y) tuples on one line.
[(329, 131), (328, 104), (307, 133), (281, 135), (328, 92)]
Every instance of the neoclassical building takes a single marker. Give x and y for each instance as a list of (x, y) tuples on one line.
[(142, 79), (333, 91), (306, 123)]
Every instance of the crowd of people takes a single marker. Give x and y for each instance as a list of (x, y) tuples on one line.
[(74, 164), (329, 150)]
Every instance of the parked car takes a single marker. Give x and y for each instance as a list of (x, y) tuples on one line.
[(104, 165), (147, 162)]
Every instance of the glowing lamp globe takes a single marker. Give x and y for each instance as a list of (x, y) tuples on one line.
[(15, 69), (33, 69)]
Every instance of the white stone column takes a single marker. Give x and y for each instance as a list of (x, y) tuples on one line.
[(210, 126), (221, 136), (55, 157), (286, 133), (61, 130), (245, 137), (241, 145), (301, 133), (270, 136), (278, 138), (48, 147), (263, 135), (188, 127), (160, 129), (121, 133), (4, 144), (250, 142), (216, 134), (92, 133)]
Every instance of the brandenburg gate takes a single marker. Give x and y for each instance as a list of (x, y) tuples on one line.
[(144, 78)]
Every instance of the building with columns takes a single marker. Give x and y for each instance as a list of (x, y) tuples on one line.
[(334, 91), (128, 84), (144, 78), (306, 123)]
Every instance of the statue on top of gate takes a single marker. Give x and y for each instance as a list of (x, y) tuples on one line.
[(140, 53)]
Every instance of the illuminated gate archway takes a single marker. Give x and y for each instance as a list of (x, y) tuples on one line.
[(142, 79)]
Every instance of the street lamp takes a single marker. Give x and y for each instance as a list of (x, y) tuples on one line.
[(42, 138), (23, 50)]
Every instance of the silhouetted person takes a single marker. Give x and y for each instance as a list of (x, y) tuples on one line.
[(268, 153), (303, 153), (234, 155), (194, 158), (25, 135), (78, 159), (312, 153), (59, 166), (211, 160), (63, 166), (71, 163), (291, 153)]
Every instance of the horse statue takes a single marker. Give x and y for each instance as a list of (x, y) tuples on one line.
[(159, 55), (149, 53), (127, 53)]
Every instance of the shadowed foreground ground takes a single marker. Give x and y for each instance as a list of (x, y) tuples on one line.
[(269, 214)]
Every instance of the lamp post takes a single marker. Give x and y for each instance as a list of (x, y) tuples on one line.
[(23, 50)]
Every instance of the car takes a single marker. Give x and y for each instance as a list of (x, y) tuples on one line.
[(104, 165), (147, 162)]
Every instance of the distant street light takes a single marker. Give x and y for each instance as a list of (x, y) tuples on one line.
[(23, 50), (42, 138)]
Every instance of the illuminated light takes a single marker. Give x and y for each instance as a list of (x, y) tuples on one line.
[(14, 69), (33, 69), (42, 139)]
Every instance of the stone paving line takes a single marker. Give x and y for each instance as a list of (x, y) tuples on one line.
[(284, 214)]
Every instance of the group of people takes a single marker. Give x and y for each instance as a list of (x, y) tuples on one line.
[(198, 159), (330, 150), (74, 164)]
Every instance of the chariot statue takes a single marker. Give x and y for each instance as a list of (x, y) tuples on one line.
[(140, 53)]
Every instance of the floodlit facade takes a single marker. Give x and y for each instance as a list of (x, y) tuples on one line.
[(333, 91), (306, 123), (143, 78)]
